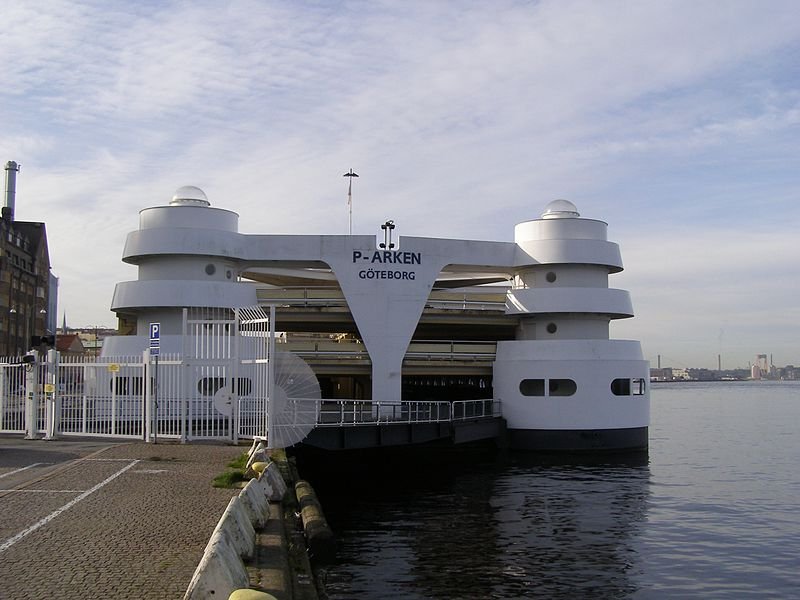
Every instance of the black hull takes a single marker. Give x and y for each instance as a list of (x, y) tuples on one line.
[(578, 440)]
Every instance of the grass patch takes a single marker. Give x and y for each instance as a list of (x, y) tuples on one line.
[(234, 475), (240, 462), (228, 479)]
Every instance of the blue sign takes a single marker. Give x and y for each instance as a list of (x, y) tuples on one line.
[(155, 338)]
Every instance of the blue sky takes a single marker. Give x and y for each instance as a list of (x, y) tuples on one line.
[(678, 123)]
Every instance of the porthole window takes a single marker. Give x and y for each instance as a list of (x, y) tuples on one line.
[(210, 269), (228, 274), (554, 387), (126, 386), (245, 386), (561, 387), (629, 387), (531, 387), (551, 277), (208, 386), (621, 387), (552, 328)]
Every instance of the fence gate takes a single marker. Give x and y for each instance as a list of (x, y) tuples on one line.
[(226, 373), (12, 395), (217, 388)]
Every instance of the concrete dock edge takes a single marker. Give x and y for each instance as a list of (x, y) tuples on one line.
[(257, 544)]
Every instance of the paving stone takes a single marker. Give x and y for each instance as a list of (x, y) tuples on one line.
[(140, 536)]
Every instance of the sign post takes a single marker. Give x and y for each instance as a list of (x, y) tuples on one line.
[(155, 348)]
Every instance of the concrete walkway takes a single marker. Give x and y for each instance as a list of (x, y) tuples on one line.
[(125, 521)]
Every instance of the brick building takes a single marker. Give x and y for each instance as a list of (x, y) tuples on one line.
[(25, 279)]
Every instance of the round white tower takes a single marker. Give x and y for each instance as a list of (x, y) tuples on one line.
[(563, 383), (186, 257)]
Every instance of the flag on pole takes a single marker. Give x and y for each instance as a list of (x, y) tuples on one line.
[(350, 176)]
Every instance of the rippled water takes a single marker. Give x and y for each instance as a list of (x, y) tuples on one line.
[(713, 512)]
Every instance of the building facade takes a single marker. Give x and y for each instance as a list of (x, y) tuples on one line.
[(530, 327), (27, 306)]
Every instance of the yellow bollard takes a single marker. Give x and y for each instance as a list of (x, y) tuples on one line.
[(250, 595), (259, 467)]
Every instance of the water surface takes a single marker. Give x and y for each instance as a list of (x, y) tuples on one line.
[(713, 511)]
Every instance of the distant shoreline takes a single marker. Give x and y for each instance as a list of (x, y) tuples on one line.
[(714, 380)]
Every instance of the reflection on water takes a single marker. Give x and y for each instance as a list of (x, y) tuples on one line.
[(469, 525), (713, 512)]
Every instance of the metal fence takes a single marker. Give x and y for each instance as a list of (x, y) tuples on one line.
[(12, 395), (228, 383)]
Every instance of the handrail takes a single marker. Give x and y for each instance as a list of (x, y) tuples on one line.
[(326, 296), (430, 350), (348, 413)]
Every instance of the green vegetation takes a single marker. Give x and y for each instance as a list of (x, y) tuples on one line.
[(234, 475), (240, 462)]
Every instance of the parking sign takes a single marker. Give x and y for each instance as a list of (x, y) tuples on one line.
[(155, 338)]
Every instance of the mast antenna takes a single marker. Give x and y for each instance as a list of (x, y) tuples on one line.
[(350, 176)]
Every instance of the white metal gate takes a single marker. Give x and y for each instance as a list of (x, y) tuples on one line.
[(226, 359), (12, 395), (216, 389)]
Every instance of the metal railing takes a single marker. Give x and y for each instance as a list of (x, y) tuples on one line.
[(115, 397), (428, 350), (348, 413), (329, 296)]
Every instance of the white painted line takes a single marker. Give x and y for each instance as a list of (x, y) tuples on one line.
[(41, 523), (23, 469), (43, 491)]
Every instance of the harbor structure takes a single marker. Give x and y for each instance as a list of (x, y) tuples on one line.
[(524, 324)]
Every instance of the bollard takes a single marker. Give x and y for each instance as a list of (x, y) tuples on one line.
[(321, 543), (250, 595)]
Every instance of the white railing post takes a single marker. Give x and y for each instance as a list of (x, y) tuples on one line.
[(148, 398), (235, 387), (3, 394), (270, 376), (84, 399), (183, 374), (113, 403), (31, 395), (52, 416)]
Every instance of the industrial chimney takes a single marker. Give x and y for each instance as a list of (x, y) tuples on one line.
[(11, 189)]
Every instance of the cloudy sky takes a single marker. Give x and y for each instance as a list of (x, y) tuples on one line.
[(678, 123)]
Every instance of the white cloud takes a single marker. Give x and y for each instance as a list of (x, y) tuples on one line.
[(462, 120)]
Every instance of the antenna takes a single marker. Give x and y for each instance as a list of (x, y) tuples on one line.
[(350, 175)]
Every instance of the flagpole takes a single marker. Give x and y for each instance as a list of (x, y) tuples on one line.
[(350, 176)]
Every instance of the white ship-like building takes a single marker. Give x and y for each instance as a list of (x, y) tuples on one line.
[(525, 323)]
